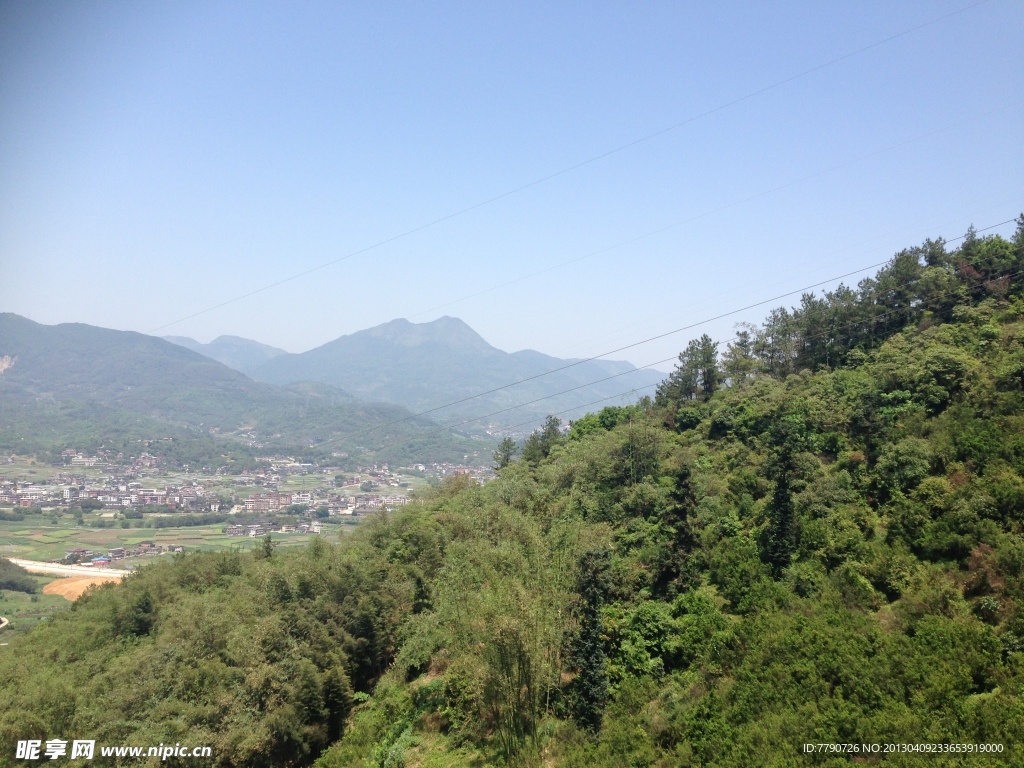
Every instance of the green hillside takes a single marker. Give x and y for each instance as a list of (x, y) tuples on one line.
[(78, 386), (812, 536), (15, 578)]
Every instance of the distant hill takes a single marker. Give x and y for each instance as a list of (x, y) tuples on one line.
[(82, 381), (243, 355), (425, 365)]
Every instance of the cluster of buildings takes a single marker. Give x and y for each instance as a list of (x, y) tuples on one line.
[(256, 492), (71, 490), (21, 495), (262, 529), (338, 495), (190, 497), (273, 501), (83, 556), (73, 458), (334, 503), (446, 469), (115, 493)]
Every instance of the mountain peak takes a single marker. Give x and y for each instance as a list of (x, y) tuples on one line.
[(426, 366), (447, 331)]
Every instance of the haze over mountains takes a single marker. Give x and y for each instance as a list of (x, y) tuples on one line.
[(75, 383), (425, 365), (243, 355)]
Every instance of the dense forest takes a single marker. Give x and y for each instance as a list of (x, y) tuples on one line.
[(812, 533)]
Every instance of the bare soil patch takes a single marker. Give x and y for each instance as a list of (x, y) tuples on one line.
[(73, 587)]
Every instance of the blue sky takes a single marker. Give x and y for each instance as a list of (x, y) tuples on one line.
[(159, 159)]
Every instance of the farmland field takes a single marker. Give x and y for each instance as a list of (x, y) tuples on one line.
[(46, 541)]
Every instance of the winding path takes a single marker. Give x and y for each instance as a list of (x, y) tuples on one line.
[(3, 622)]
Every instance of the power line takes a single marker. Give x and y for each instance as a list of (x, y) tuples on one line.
[(683, 328), (574, 167), (563, 392), (852, 324), (628, 331), (628, 346), (712, 212), (531, 421)]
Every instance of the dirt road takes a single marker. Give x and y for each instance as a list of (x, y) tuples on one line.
[(55, 569)]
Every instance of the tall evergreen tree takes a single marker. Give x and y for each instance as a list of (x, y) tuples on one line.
[(738, 362), (539, 444), (781, 539), (505, 452), (675, 569), (586, 652), (696, 375)]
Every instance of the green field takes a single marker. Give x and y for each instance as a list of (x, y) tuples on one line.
[(50, 535), (294, 483), (26, 611), (28, 469), (37, 539)]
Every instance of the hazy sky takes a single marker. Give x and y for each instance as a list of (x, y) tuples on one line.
[(158, 159)]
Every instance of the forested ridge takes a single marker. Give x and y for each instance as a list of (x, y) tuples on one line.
[(80, 387), (813, 533)]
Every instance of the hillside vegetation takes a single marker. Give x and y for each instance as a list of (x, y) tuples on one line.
[(15, 578), (813, 535)]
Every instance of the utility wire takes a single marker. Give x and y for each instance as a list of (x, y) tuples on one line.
[(853, 324), (531, 421), (713, 211), (619, 349), (653, 322), (574, 167), (449, 427), (680, 330)]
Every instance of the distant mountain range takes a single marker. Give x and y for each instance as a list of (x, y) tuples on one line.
[(79, 382), (243, 355), (74, 385), (421, 366)]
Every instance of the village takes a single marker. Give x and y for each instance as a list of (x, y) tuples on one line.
[(265, 489), (112, 511)]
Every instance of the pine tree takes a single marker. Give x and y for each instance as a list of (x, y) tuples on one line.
[(787, 439), (587, 654), (506, 451), (539, 444)]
